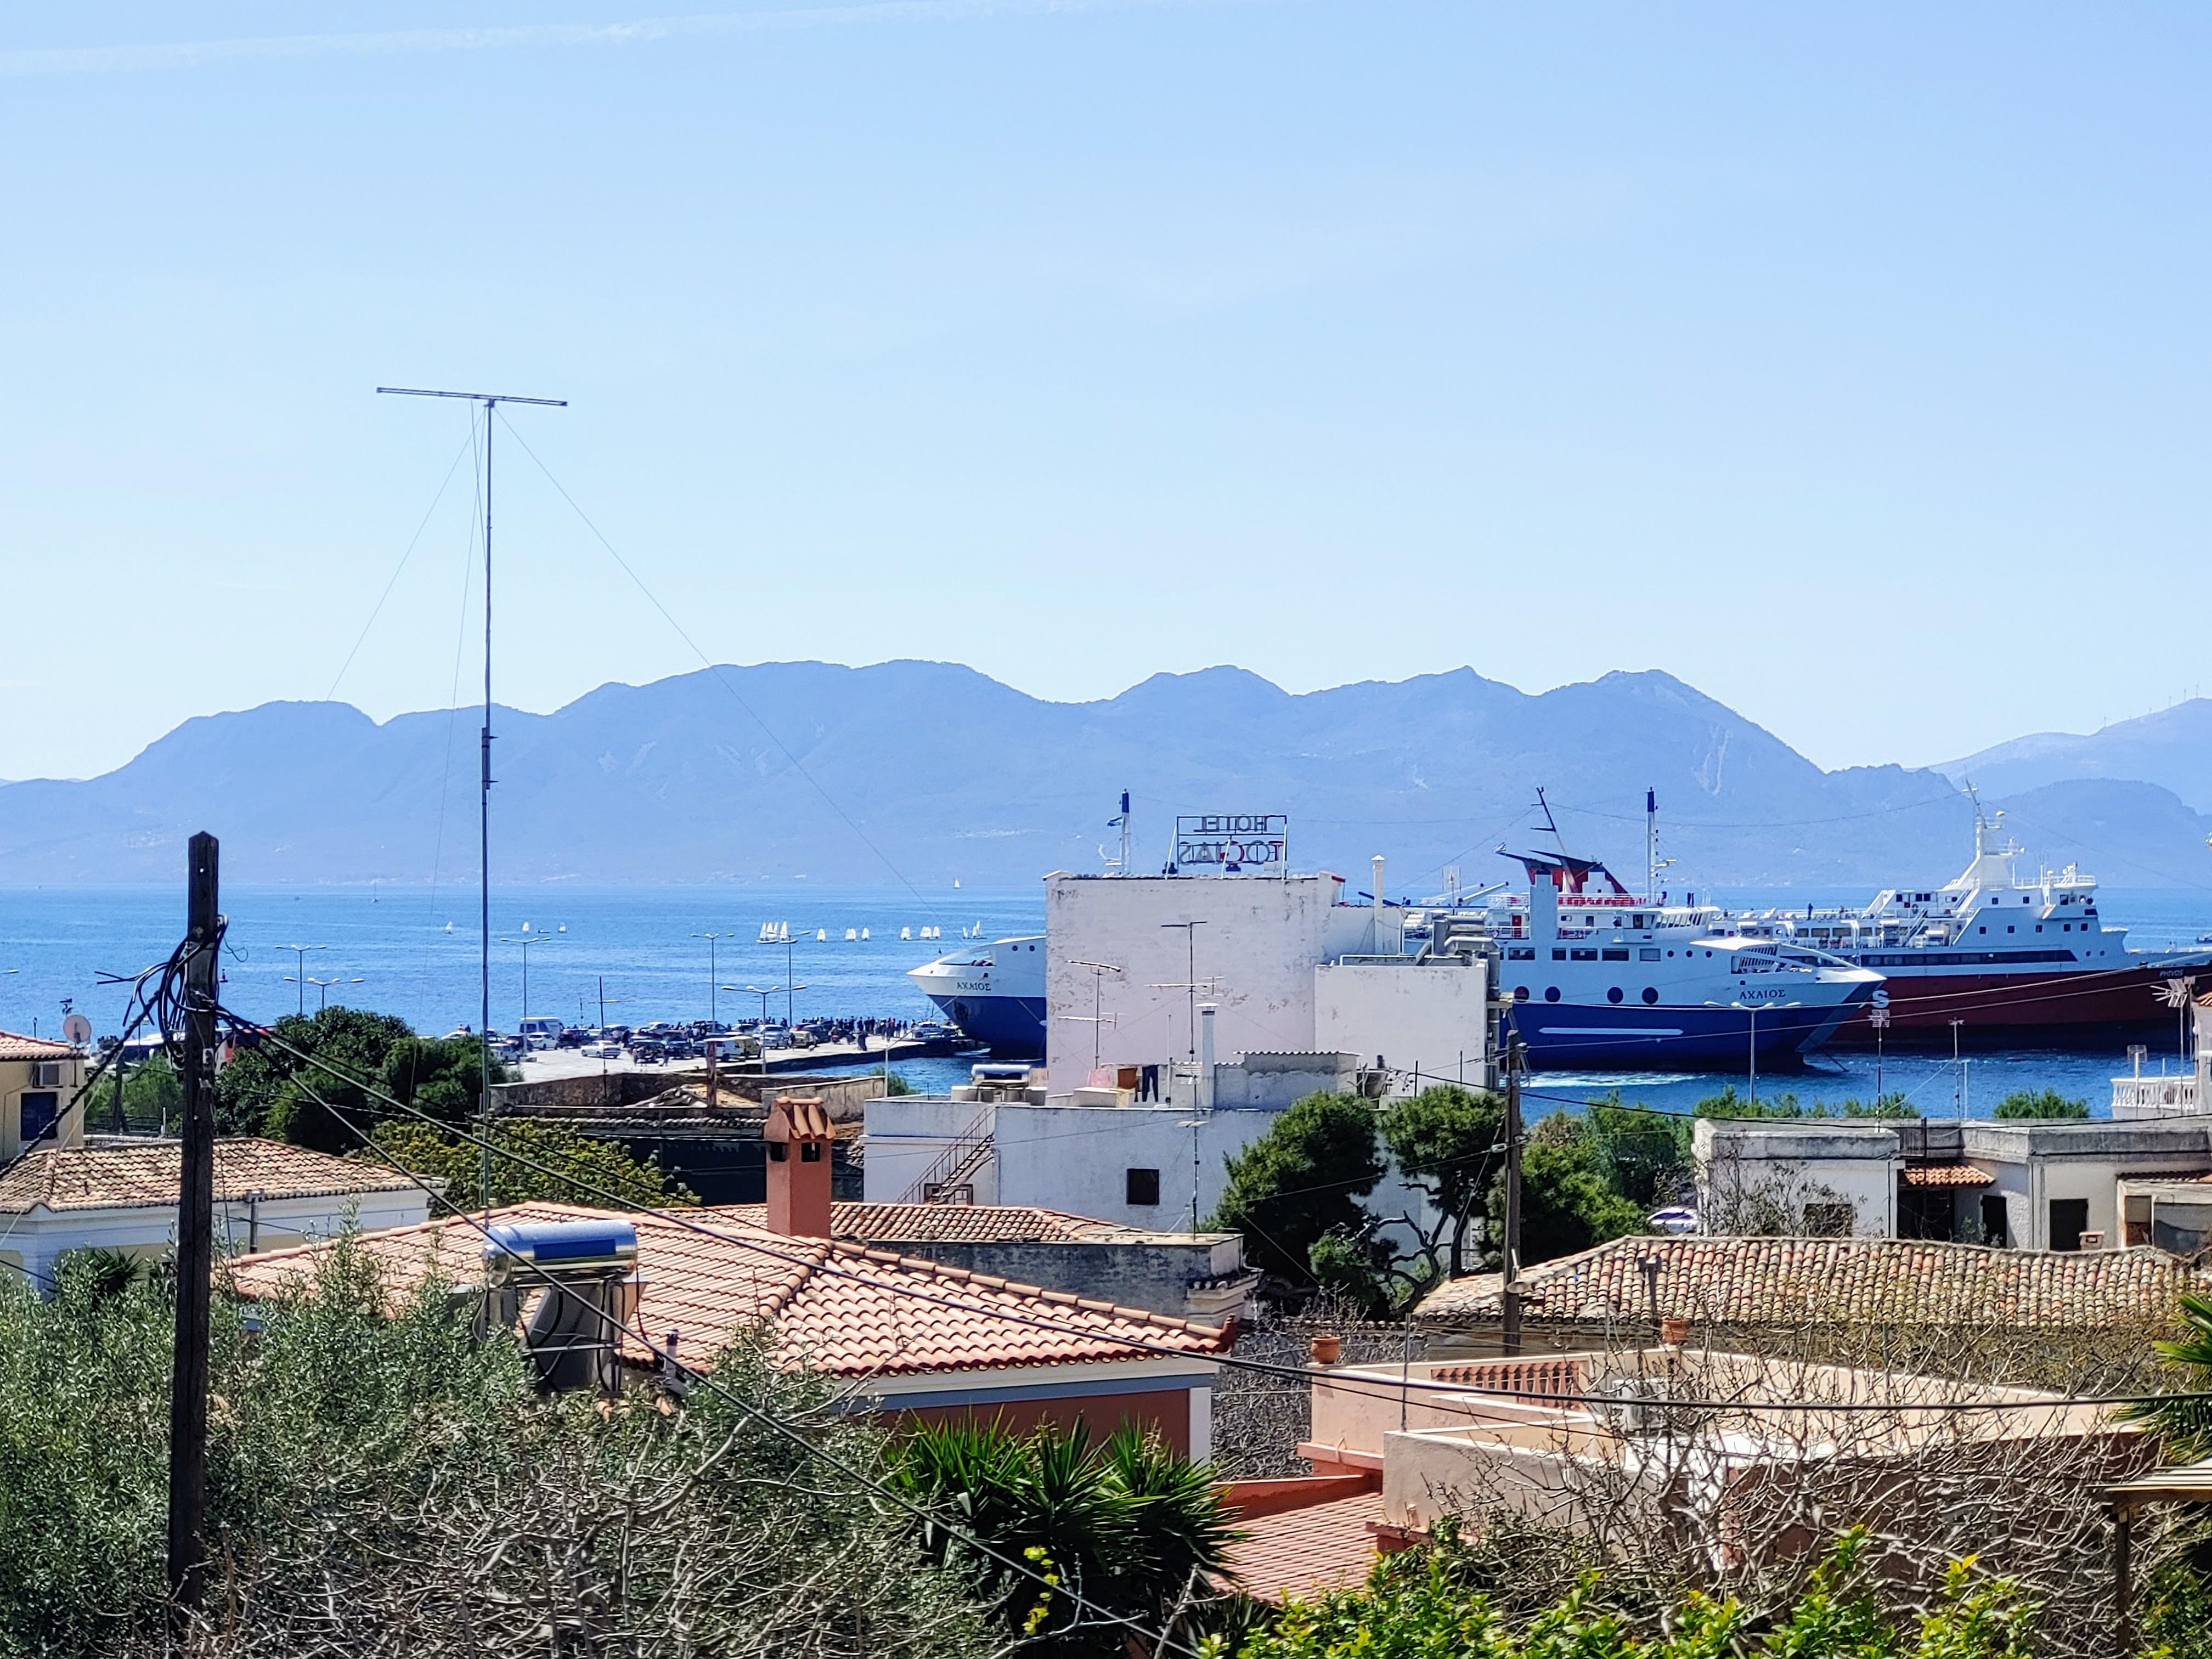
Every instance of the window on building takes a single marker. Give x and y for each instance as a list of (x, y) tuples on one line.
[(40, 1107), (1143, 1187), (1993, 1220), (2069, 1219)]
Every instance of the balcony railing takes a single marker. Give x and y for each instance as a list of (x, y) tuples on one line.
[(2154, 1097)]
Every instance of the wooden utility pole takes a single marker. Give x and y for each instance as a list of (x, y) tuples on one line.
[(188, 1388), (1509, 1295)]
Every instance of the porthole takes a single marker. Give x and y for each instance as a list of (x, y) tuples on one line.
[(1520, 994), (1612, 993), (1650, 995), (1551, 993)]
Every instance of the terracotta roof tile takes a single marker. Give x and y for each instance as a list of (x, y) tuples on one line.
[(713, 1287), (1302, 1552), (1947, 1175), (1752, 1281), (138, 1177), (15, 1046), (949, 1223)]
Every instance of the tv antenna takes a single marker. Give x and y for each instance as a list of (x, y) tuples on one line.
[(491, 401)]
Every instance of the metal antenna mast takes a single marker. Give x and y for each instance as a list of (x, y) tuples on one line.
[(490, 400)]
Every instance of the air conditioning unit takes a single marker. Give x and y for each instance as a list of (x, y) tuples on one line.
[(45, 1074)]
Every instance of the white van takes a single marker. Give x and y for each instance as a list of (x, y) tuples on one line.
[(540, 1031)]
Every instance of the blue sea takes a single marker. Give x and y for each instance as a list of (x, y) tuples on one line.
[(390, 949)]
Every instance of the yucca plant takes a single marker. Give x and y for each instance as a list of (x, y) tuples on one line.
[(2184, 1425), (1129, 1537)]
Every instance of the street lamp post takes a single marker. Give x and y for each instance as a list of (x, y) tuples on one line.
[(714, 1009), (322, 985), (526, 940), (764, 992), (302, 971)]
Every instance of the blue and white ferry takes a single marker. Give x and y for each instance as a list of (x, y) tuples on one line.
[(1602, 979), (995, 994)]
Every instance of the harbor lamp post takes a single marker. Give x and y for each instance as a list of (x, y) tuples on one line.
[(713, 1008), (525, 939), (301, 971), (1752, 1008), (322, 987), (764, 992)]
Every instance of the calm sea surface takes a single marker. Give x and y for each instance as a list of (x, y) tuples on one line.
[(390, 949)]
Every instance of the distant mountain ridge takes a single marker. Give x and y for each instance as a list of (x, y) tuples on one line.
[(2171, 748), (932, 772)]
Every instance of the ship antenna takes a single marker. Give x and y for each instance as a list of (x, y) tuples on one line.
[(1651, 843), (491, 401), (1551, 823)]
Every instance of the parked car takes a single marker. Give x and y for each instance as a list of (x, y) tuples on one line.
[(540, 1031), (648, 1051), (601, 1051)]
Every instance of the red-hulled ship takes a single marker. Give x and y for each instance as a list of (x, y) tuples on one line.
[(2010, 960)]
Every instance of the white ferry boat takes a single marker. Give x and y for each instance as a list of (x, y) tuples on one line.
[(1601, 978), (995, 994)]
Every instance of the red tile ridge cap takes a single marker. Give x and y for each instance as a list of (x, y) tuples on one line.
[(1014, 1286)]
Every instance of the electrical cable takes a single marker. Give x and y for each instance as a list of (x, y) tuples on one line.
[(1161, 1640), (715, 669), (1229, 1361), (377, 609)]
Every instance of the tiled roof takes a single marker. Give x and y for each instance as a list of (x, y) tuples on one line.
[(1947, 1175), (14, 1046), (138, 1177), (1756, 1281), (1302, 1552), (711, 1287), (949, 1223)]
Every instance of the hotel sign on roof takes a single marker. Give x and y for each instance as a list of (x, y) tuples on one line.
[(1233, 840)]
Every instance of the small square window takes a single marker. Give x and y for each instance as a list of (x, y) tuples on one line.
[(1143, 1187)]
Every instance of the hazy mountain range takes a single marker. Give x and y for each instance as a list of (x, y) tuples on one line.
[(930, 772)]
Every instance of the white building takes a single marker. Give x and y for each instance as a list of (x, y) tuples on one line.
[(1098, 1152), (1822, 1178), (121, 1195), (2055, 1184), (1288, 965)]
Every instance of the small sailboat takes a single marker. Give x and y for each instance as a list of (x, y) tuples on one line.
[(864, 933), (852, 934), (906, 932)]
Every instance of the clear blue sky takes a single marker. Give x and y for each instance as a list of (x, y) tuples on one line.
[(1852, 367)]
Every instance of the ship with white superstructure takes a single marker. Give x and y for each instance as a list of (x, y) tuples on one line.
[(2006, 954), (1602, 979)]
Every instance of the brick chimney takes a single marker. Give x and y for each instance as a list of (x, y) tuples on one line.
[(797, 1138)]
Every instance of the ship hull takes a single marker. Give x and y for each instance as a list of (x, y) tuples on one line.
[(2084, 1007), (1582, 1037), (1012, 1028)]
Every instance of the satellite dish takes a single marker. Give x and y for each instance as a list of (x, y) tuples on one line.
[(77, 1029)]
